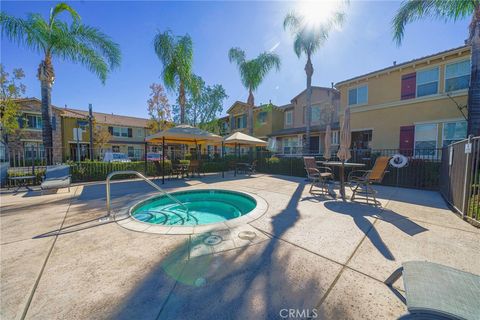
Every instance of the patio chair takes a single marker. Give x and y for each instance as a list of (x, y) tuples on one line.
[(360, 181), (56, 177), (317, 177), (195, 166), (251, 169), (435, 291)]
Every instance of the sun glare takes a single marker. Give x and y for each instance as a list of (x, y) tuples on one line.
[(318, 12)]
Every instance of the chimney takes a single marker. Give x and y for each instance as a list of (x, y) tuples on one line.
[(394, 63), (331, 84)]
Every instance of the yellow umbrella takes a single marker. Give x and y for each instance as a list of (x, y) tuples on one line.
[(239, 138), (345, 137), (328, 142)]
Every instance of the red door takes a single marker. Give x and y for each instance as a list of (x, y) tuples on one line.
[(407, 136)]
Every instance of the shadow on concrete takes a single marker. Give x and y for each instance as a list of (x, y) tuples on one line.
[(359, 212), (250, 282)]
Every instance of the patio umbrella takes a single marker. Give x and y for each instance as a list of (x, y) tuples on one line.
[(345, 138), (328, 142), (183, 134), (239, 138)]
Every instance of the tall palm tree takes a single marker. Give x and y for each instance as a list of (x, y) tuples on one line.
[(252, 73), (53, 38), (176, 55), (307, 40), (413, 10)]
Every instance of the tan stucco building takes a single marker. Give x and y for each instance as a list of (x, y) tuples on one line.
[(290, 138), (417, 105)]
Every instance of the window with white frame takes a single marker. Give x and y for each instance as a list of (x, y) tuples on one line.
[(457, 75), (358, 95), (290, 145), (427, 82), (34, 150), (120, 132), (139, 132), (288, 118), (426, 139), (335, 137), (453, 132), (34, 121)]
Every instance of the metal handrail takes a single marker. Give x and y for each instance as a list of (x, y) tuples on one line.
[(138, 174)]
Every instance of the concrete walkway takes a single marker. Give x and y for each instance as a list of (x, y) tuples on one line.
[(324, 258)]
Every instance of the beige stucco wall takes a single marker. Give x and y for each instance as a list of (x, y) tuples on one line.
[(322, 97), (385, 112)]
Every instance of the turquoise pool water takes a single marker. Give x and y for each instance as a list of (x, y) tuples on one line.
[(204, 207)]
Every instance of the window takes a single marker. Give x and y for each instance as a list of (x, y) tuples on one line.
[(288, 118), (262, 117), (34, 121), (335, 137), (426, 139), (427, 82), (115, 148), (139, 133), (453, 132), (241, 122), (315, 114), (358, 95), (290, 145), (120, 132), (457, 75), (34, 150), (131, 152)]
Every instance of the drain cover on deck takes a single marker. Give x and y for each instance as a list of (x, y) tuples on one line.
[(247, 235), (212, 240)]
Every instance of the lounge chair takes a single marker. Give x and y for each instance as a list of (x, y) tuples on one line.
[(434, 291), (360, 181), (318, 176), (195, 166), (56, 177)]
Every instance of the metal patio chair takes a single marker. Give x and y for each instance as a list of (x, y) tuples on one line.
[(360, 181), (318, 176)]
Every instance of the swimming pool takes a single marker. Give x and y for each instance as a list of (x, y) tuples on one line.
[(202, 207)]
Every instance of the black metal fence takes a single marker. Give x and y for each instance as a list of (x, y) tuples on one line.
[(460, 178), (422, 171)]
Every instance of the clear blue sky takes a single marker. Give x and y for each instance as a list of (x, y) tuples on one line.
[(362, 45)]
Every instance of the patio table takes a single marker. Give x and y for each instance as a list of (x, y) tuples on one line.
[(23, 181), (342, 165), (241, 165)]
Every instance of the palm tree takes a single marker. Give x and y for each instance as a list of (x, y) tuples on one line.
[(307, 40), (176, 55), (413, 10), (252, 73), (53, 38)]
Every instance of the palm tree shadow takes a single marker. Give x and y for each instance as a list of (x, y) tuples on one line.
[(359, 212), (255, 281)]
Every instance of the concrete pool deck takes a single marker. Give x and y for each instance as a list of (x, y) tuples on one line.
[(319, 256)]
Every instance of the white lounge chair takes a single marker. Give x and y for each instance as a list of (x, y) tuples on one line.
[(56, 177), (434, 291)]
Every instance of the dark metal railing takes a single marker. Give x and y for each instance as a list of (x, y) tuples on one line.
[(460, 178)]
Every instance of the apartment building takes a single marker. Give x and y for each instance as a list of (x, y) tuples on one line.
[(266, 119), (417, 106), (127, 134), (290, 138), (27, 141)]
